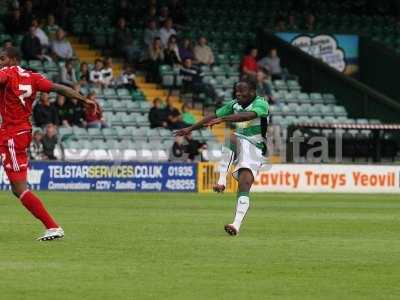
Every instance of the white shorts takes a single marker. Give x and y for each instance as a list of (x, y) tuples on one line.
[(248, 156)]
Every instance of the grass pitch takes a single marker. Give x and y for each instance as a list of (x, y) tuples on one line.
[(172, 246)]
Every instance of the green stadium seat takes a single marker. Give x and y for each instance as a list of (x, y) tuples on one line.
[(95, 133)]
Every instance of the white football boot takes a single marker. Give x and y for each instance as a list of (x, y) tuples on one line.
[(52, 234)]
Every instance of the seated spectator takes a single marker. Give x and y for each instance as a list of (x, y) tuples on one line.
[(164, 14), (151, 13), (166, 31), (63, 111), (272, 64), (264, 87), (44, 112), (40, 34), (156, 58), (107, 72), (192, 80), (173, 116), (96, 76), (36, 151), (50, 141), (51, 28), (67, 74), (84, 74), (171, 53), (13, 22), (61, 47), (185, 50), (77, 110), (248, 66), (187, 117), (124, 44), (30, 46), (7, 44), (127, 79), (203, 53), (157, 115), (178, 151), (309, 22), (176, 11), (292, 23), (94, 117), (150, 33), (194, 148)]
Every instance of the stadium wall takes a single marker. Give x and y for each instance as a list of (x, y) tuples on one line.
[(360, 100), (190, 177)]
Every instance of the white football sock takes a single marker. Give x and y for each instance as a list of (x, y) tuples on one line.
[(243, 204), (224, 164)]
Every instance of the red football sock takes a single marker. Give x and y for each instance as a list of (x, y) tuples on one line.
[(35, 206)]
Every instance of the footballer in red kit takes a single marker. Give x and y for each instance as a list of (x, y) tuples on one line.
[(18, 88)]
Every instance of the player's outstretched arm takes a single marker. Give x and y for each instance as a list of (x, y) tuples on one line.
[(198, 125), (70, 93), (238, 117)]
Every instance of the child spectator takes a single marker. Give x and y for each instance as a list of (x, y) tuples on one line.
[(94, 117), (107, 72), (96, 76), (84, 74), (127, 79), (36, 151)]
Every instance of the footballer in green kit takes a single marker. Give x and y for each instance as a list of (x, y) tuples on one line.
[(247, 147)]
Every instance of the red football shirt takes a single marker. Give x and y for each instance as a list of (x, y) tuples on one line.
[(18, 88), (93, 115)]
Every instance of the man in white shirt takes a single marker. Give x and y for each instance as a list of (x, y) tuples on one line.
[(166, 31), (40, 34), (203, 53)]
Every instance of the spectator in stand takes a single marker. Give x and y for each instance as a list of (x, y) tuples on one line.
[(292, 23), (166, 31), (194, 148), (44, 112), (40, 34), (127, 79), (27, 14), (248, 66), (123, 40), (13, 22), (173, 116), (280, 24), (63, 111), (50, 141), (150, 33), (30, 46), (84, 74), (186, 50), (51, 28), (151, 13), (164, 14), (96, 76), (187, 117), (77, 111), (7, 44), (192, 80), (178, 151), (176, 11), (156, 58), (67, 74), (107, 74), (264, 87), (157, 115), (94, 117), (309, 22), (171, 53), (272, 64), (36, 151), (61, 47), (202, 52)]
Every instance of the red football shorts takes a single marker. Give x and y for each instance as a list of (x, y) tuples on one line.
[(14, 154)]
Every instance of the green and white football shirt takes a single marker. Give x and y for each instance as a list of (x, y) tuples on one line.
[(255, 131)]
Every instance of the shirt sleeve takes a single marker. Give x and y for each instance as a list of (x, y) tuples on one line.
[(225, 110), (260, 107), (42, 83)]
